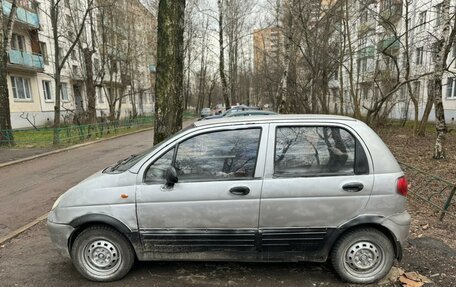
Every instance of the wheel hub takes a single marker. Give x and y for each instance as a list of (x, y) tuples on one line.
[(101, 255), (363, 256)]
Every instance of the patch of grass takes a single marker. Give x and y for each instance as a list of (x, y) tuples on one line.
[(71, 135)]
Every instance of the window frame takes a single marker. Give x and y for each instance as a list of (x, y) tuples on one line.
[(62, 85), (175, 145), (45, 84), (358, 144), (27, 89)]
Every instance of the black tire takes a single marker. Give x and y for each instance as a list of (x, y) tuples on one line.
[(362, 255), (102, 254)]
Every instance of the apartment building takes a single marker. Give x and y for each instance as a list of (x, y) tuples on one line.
[(31, 61), (378, 30)]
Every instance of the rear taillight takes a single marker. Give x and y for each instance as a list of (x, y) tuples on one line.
[(402, 186)]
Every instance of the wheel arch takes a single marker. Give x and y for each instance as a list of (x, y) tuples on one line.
[(374, 222), (81, 223)]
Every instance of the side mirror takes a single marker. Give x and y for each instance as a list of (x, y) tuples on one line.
[(171, 177)]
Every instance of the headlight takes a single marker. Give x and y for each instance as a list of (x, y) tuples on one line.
[(56, 203)]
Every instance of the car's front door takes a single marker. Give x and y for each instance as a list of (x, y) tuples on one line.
[(317, 177), (215, 204)]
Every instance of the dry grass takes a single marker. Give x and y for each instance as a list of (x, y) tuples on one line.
[(417, 151)]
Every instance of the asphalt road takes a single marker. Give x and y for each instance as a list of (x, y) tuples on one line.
[(28, 189), (31, 260)]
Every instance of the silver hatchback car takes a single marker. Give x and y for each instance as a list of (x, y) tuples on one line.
[(267, 188)]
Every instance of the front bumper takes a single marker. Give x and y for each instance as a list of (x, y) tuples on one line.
[(60, 234)]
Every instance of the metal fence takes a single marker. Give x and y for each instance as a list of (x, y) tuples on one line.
[(72, 134), (433, 190)]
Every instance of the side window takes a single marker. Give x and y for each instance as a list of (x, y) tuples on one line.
[(219, 155), (156, 172), (314, 151)]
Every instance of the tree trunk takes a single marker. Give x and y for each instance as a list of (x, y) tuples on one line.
[(6, 133), (226, 97), (443, 47), (170, 69), (90, 86), (440, 124)]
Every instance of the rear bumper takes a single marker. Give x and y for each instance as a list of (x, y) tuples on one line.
[(60, 234), (399, 225)]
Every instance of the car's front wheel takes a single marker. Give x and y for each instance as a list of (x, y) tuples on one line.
[(363, 256), (101, 253)]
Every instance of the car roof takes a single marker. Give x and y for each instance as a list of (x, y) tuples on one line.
[(272, 118)]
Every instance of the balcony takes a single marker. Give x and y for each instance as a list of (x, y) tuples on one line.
[(391, 44), (24, 15), (391, 10), (26, 60), (367, 52)]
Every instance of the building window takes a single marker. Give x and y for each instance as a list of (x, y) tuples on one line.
[(47, 92), (419, 56), (451, 88), (21, 88), (422, 21), (96, 64), (438, 14), (417, 89), (64, 92), (100, 95), (364, 15), (365, 92), (44, 52), (75, 70), (71, 36), (17, 42)]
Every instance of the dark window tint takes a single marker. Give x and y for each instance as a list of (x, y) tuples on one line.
[(313, 151), (156, 172), (218, 155)]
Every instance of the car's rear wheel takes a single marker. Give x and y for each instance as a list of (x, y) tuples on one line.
[(101, 253), (363, 256)]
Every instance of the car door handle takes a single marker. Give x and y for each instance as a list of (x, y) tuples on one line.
[(240, 190), (353, 187)]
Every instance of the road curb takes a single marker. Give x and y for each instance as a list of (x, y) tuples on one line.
[(68, 148), (18, 231)]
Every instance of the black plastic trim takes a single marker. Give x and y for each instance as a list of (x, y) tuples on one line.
[(100, 218)]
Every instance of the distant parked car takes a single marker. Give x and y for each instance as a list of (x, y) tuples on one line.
[(206, 112), (250, 113), (232, 110)]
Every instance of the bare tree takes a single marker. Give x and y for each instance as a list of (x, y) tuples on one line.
[(61, 56), (226, 96), (442, 49), (6, 27)]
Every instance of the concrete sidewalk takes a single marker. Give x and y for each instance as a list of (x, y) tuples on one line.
[(13, 154)]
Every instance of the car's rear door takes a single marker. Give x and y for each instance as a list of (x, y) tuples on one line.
[(317, 177), (215, 205)]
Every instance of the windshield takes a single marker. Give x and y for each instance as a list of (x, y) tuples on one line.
[(129, 162)]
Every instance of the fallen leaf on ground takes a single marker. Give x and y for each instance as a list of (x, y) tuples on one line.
[(415, 276), (409, 283)]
